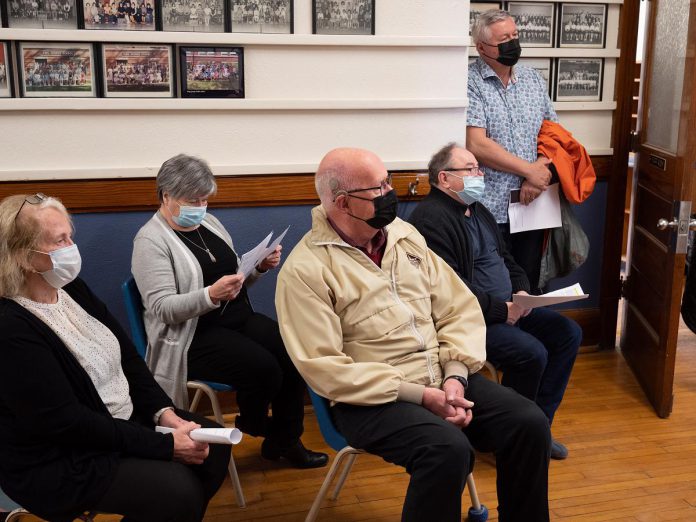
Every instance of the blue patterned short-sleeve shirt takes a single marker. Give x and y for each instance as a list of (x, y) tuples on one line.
[(512, 117)]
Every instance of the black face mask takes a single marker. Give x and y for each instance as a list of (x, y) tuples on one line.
[(509, 52), (385, 210)]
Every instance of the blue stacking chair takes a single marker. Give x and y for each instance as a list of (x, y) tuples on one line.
[(134, 309), (477, 512)]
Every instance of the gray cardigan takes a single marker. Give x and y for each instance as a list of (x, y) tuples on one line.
[(170, 281)]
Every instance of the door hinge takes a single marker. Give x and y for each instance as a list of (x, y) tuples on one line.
[(635, 141)]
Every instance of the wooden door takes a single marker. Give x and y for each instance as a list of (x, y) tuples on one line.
[(665, 167)]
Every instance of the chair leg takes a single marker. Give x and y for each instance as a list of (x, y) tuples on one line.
[(196, 400), (473, 494), (491, 369), (236, 484), (330, 475), (350, 460)]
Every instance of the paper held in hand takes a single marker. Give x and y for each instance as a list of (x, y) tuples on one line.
[(564, 295), (260, 252), (210, 435), (543, 212)]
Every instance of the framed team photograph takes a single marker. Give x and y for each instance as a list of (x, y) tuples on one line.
[(137, 71), (5, 73), (212, 72), (207, 16), (262, 16), (42, 14), (535, 22), (50, 70), (542, 66), (583, 25), (131, 15), (579, 79), (343, 16), (476, 8)]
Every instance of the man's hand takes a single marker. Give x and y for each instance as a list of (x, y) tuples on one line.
[(186, 449), (454, 395), (528, 192), (226, 288), (514, 313), (453, 407), (538, 174), (525, 311)]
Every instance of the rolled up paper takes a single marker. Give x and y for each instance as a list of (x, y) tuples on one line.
[(210, 435)]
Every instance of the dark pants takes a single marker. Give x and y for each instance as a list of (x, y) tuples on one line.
[(439, 455), (526, 248), (253, 359), (166, 491), (536, 355)]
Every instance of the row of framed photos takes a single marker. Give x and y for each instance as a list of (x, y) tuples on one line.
[(545, 24), (118, 70), (216, 16), (570, 79)]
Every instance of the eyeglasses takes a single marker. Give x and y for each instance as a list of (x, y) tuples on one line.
[(32, 200), (473, 171), (382, 187)]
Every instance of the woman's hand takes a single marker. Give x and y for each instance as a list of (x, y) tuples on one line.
[(226, 288), (271, 261), (186, 449), (169, 419)]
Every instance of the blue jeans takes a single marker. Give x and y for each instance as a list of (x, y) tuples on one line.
[(536, 355)]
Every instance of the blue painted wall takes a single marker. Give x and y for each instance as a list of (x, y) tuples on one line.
[(105, 242)]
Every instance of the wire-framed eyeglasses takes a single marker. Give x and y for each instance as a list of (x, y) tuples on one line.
[(472, 171), (384, 186), (34, 199)]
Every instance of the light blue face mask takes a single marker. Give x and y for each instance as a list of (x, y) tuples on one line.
[(473, 188), (189, 216)]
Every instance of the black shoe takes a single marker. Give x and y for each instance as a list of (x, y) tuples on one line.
[(296, 454), (255, 429)]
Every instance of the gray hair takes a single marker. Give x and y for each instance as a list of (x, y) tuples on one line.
[(185, 177), (481, 30), (330, 182), (439, 162)]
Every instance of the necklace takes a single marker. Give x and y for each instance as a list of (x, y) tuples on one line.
[(204, 247)]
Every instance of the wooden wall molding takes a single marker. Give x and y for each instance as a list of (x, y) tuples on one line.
[(123, 195)]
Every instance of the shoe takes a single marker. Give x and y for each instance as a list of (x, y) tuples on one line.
[(558, 450), (255, 429), (296, 454)]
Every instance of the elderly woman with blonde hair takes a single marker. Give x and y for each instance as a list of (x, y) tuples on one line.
[(78, 406)]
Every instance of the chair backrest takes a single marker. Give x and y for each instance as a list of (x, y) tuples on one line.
[(134, 309), (331, 435)]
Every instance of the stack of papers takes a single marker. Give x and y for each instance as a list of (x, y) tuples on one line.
[(564, 295), (544, 212), (260, 252)]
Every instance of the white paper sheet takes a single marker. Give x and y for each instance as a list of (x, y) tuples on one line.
[(543, 212), (210, 435), (270, 248), (253, 257), (563, 295)]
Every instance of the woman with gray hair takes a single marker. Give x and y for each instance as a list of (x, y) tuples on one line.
[(198, 319), (78, 406)]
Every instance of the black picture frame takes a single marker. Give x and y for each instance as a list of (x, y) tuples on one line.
[(58, 70), (114, 15), (543, 66), (583, 78), (137, 70), (3, 14), (352, 21), (476, 8), (270, 17), (49, 14), (6, 70), (535, 22), (206, 16), (576, 27), (199, 80)]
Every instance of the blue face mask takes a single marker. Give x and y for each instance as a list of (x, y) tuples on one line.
[(473, 188), (189, 216)]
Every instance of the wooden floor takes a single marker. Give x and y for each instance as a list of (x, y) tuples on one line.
[(625, 464)]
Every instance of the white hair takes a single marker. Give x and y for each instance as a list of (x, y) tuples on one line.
[(481, 31)]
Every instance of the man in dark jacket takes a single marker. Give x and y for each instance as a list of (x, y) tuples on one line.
[(535, 349)]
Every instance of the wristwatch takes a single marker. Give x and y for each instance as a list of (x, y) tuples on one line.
[(462, 380)]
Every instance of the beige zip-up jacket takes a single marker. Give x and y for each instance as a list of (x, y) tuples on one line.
[(365, 335)]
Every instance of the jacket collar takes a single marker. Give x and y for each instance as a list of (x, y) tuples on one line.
[(487, 71), (457, 205)]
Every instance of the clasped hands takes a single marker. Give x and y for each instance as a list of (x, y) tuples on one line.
[(186, 449), (537, 179), (449, 403)]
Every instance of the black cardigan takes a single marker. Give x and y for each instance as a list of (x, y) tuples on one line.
[(58, 443), (440, 219)]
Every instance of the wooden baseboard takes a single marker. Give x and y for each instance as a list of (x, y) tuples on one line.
[(589, 321)]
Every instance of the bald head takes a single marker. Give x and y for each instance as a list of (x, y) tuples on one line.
[(345, 169)]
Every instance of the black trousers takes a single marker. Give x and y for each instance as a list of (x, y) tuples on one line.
[(253, 359), (439, 455), (526, 248), (166, 491)]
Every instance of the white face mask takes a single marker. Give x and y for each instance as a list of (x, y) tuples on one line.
[(66, 265)]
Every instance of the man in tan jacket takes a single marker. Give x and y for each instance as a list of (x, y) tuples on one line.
[(381, 326)]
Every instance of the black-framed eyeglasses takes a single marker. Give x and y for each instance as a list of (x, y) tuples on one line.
[(473, 171), (385, 186), (32, 200)]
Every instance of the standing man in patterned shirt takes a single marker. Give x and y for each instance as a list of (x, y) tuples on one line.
[(507, 105)]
